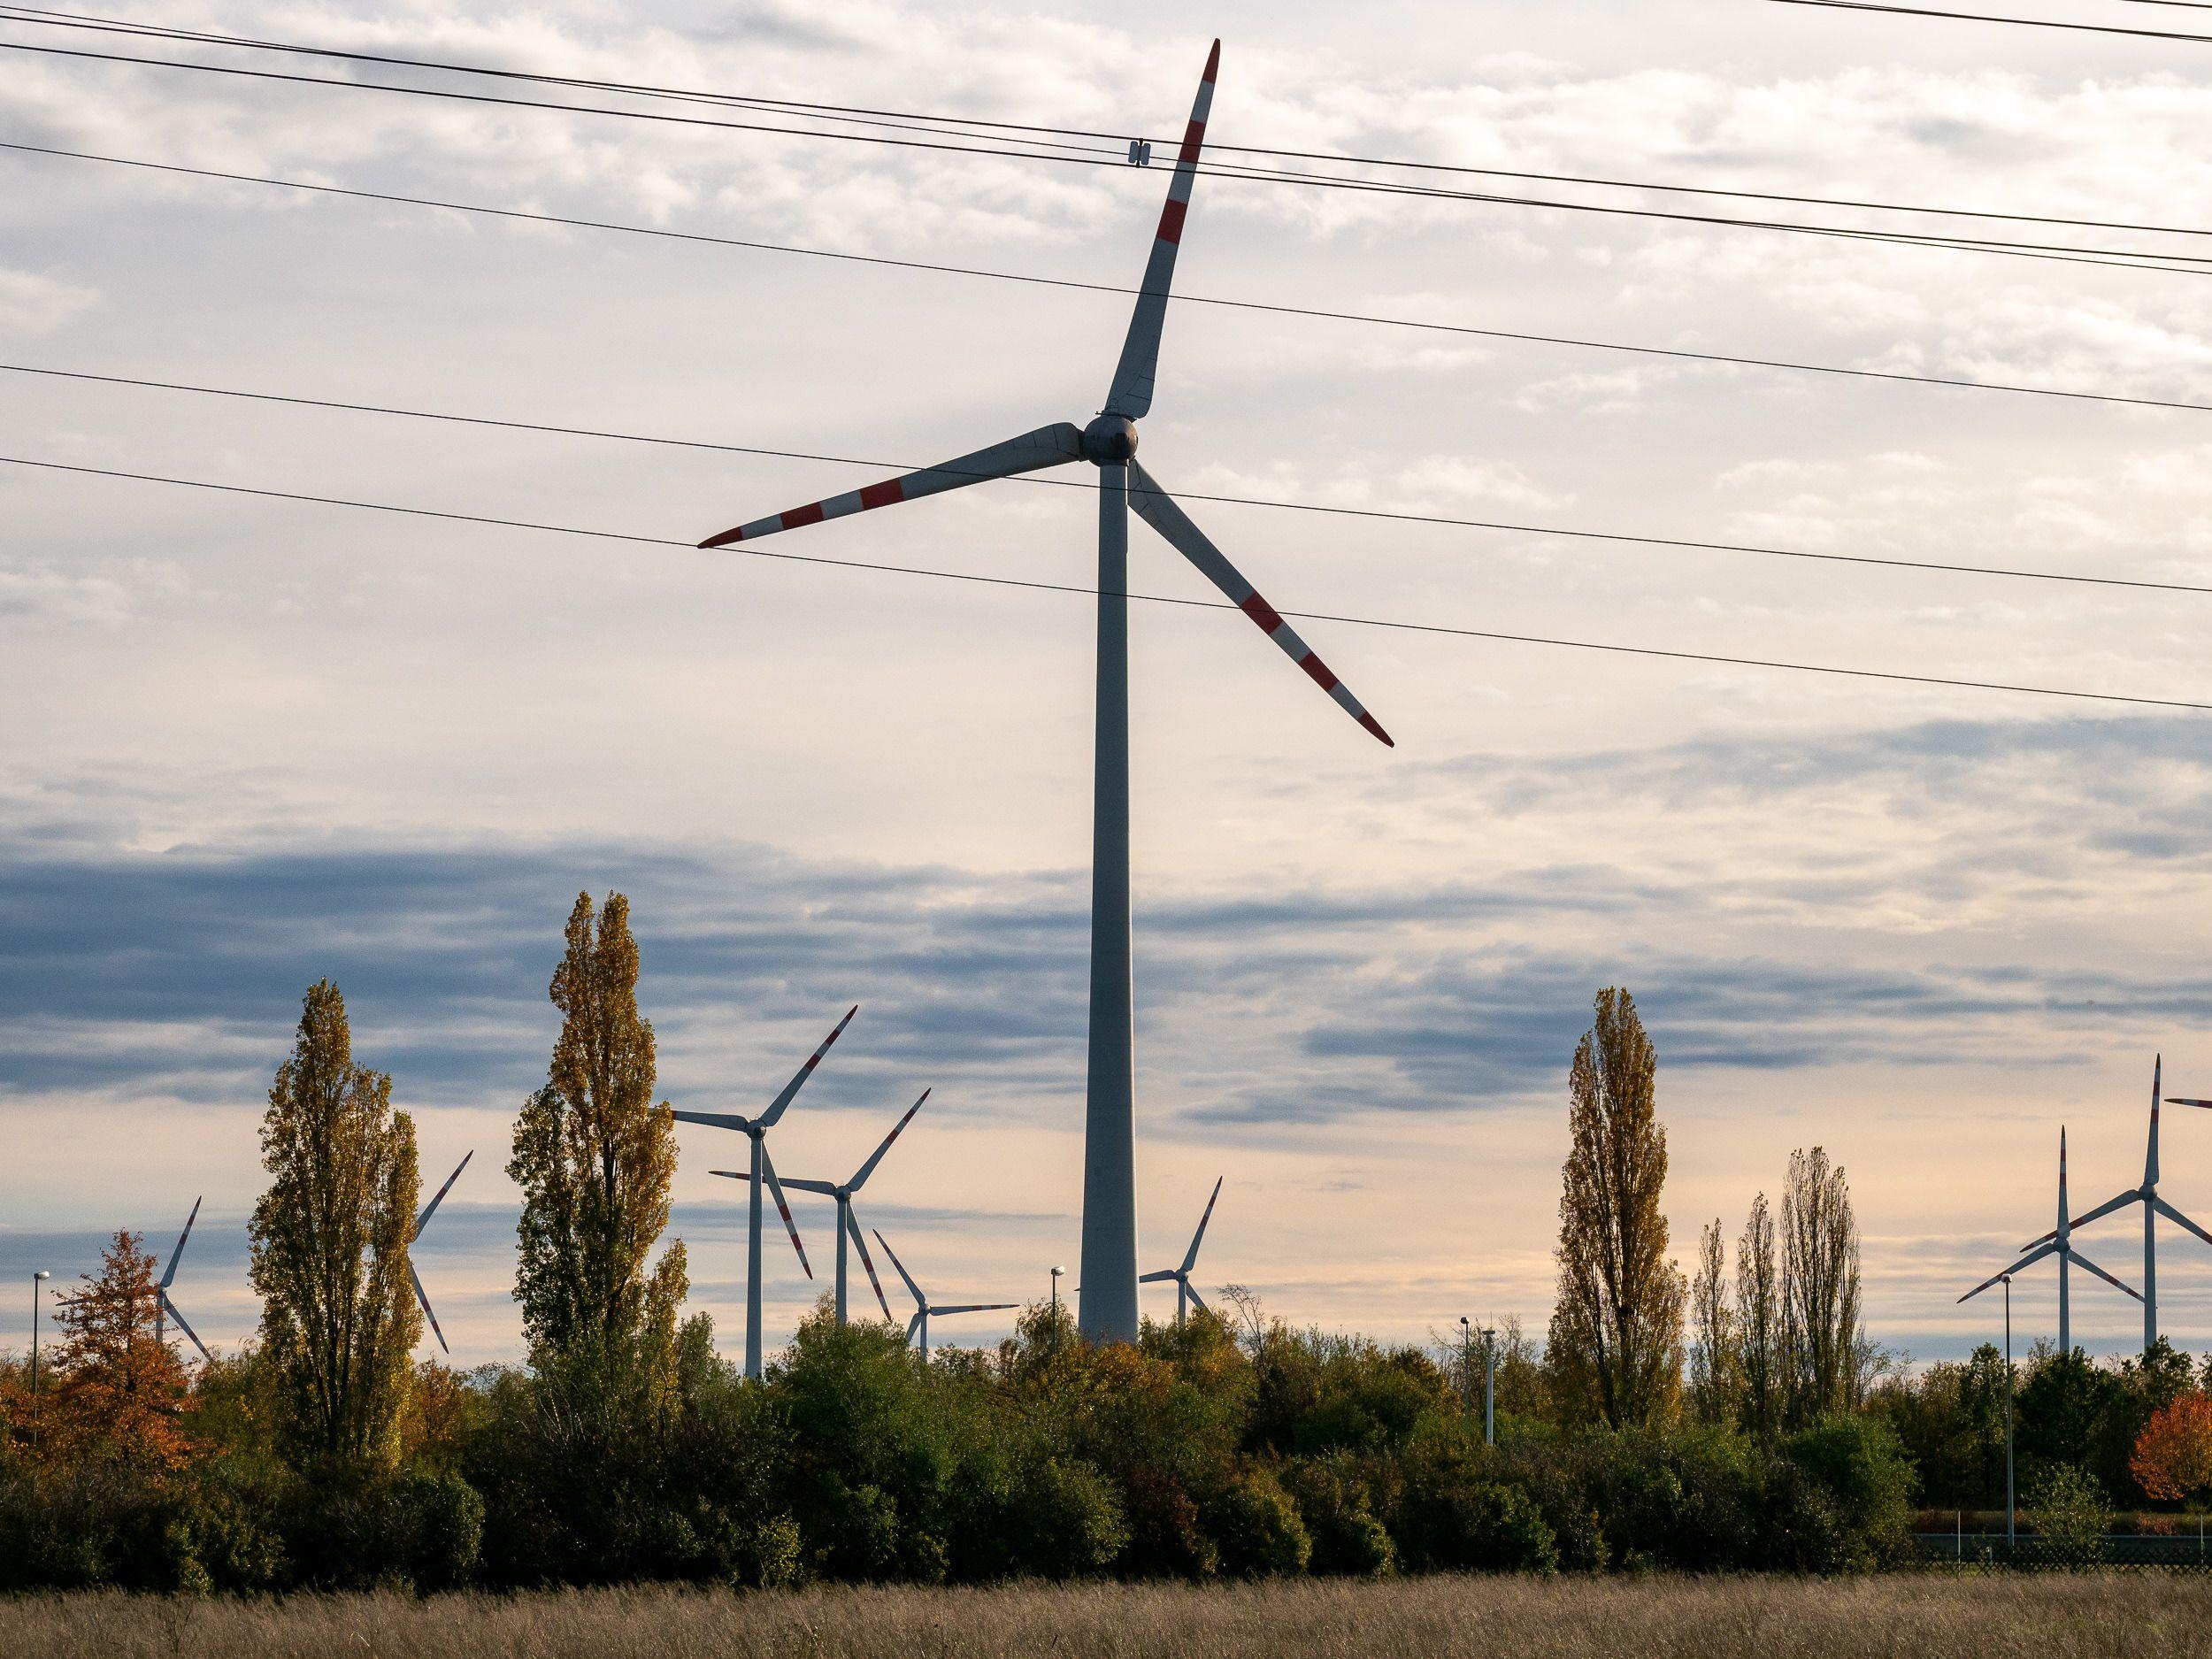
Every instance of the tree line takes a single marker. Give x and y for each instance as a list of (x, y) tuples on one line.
[(1705, 1422)]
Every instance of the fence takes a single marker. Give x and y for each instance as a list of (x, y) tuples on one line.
[(2184, 1551)]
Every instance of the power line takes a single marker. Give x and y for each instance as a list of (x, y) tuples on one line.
[(1985, 17), (1164, 599), (863, 114), (2135, 259), (1679, 354), (549, 429)]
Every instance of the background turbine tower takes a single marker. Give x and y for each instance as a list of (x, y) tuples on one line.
[(2060, 1243), (422, 1221), (756, 1129), (918, 1326), (1184, 1289), (1109, 1305), (847, 1227), (2154, 1207), (165, 1310)]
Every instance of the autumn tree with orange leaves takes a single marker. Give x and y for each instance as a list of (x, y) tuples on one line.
[(2173, 1455), (118, 1393)]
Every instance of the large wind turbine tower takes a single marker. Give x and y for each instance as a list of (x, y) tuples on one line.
[(1109, 1306)]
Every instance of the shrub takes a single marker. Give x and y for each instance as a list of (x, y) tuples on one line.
[(2068, 1512), (1257, 1529), (1334, 1502), (1067, 1519)]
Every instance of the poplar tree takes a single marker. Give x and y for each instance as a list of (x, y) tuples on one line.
[(595, 1157), (1820, 1288), (329, 1242), (1759, 1322), (1716, 1365), (1615, 1343)]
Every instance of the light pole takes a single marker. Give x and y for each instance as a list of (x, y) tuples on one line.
[(37, 1279), (1055, 1297), (1489, 1385), (1467, 1369), (2009, 1499)]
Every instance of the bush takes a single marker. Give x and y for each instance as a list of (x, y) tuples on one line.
[(2067, 1511), (1257, 1529), (1450, 1517), (1333, 1500), (1067, 1519)]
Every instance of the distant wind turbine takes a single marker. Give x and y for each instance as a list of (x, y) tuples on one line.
[(164, 1308), (1181, 1275), (756, 1129), (2060, 1243), (2154, 1207), (918, 1326), (422, 1221), (1109, 1306), (847, 1227)]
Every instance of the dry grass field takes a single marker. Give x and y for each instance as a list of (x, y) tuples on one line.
[(1923, 1616)]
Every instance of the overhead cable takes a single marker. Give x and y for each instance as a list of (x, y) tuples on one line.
[(1390, 623)]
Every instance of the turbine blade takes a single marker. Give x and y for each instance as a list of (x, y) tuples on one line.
[(860, 1244), (1158, 509), (427, 1314), (972, 1307), (1191, 1291), (1132, 395), (2150, 1155), (182, 1325), (823, 1188), (914, 1323), (1047, 446), (2079, 1260), (2029, 1260), (2180, 1221), (775, 1107), (1163, 1277), (913, 1289), (775, 1189), (2111, 1204), (869, 1168), (170, 1273), (430, 1208), (1190, 1256), (719, 1120), (2177, 1100)]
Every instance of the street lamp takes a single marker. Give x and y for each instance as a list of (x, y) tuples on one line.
[(1489, 1384), (37, 1279), (2009, 1498), (1055, 1293)]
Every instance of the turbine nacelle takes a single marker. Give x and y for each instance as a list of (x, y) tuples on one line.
[(1110, 441)]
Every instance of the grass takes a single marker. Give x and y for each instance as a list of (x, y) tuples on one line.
[(1928, 1616)]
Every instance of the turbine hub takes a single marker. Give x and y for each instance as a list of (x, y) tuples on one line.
[(1110, 441)]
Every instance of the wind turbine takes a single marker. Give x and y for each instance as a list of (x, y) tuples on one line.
[(847, 1227), (756, 1129), (1181, 1275), (923, 1306), (1108, 1308), (2154, 1207), (2058, 1243), (164, 1308), (420, 1221)]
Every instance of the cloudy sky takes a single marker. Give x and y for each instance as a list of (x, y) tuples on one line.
[(252, 742)]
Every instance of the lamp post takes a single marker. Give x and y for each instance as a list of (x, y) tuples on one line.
[(1467, 1370), (37, 1279), (2009, 1497), (1055, 1295), (1489, 1384)]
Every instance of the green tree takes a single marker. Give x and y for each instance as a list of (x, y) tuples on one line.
[(1716, 1356), (594, 1157), (1759, 1321), (1616, 1345), (329, 1242), (1820, 1290)]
